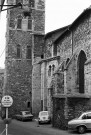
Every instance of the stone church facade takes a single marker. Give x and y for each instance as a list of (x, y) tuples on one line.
[(24, 47), (70, 85), (47, 72)]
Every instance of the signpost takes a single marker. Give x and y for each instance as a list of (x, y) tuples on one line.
[(6, 102)]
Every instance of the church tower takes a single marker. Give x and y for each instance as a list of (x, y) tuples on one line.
[(24, 48)]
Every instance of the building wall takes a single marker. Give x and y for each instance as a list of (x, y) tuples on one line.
[(72, 43), (20, 73)]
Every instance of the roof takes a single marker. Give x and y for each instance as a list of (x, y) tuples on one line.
[(1, 3), (56, 33), (83, 15)]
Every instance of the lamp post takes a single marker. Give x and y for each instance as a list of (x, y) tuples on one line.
[(2, 3), (25, 12)]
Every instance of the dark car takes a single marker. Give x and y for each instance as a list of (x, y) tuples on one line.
[(24, 116)]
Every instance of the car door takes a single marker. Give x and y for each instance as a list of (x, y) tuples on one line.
[(88, 121)]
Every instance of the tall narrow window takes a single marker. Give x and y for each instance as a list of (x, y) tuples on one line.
[(18, 51), (49, 71), (81, 61), (53, 67), (54, 50), (31, 3), (28, 56), (29, 24), (19, 22)]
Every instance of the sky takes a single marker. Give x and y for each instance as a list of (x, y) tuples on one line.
[(58, 13)]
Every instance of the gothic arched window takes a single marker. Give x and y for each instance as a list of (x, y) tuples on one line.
[(81, 61)]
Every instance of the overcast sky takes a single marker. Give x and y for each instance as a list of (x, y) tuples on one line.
[(58, 13)]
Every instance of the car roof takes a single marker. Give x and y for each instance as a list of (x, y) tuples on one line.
[(43, 111), (86, 112)]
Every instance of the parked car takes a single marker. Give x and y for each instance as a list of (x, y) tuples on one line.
[(82, 123), (44, 117), (24, 116)]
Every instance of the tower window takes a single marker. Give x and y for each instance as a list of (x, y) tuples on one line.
[(19, 22), (28, 56), (31, 3), (18, 51), (29, 24), (11, 23)]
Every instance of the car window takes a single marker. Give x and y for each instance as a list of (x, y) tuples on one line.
[(89, 116), (23, 113), (44, 113), (84, 117), (27, 112)]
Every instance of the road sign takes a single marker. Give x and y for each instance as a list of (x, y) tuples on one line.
[(7, 101)]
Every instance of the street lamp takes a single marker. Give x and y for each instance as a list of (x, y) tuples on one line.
[(2, 3), (25, 12)]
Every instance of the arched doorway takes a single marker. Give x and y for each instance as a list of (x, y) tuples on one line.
[(81, 61)]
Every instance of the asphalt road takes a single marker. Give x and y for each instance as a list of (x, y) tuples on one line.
[(32, 128)]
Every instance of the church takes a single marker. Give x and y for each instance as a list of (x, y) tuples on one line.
[(47, 71), (70, 85)]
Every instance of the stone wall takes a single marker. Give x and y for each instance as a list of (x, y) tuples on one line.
[(36, 89), (58, 119), (21, 78), (77, 106), (74, 41)]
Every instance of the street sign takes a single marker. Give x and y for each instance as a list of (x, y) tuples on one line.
[(7, 101)]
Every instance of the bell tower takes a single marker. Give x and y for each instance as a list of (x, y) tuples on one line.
[(24, 47)]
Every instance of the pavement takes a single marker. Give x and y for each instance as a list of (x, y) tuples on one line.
[(34, 126)]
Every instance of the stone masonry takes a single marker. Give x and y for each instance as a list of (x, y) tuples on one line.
[(24, 41), (70, 83)]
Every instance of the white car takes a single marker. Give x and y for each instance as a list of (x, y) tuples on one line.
[(44, 117), (82, 123)]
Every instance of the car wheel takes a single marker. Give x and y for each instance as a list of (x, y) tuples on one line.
[(81, 129)]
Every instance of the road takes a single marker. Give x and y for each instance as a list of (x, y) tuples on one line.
[(32, 128)]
